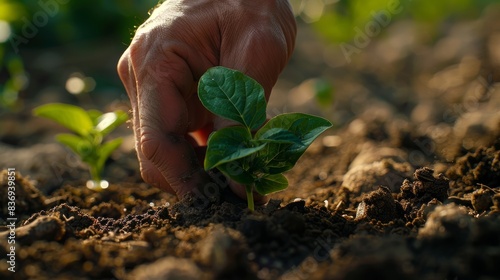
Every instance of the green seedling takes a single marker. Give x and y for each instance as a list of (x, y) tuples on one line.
[(89, 127), (254, 153)]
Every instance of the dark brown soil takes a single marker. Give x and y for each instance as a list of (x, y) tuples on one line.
[(407, 186), (132, 231)]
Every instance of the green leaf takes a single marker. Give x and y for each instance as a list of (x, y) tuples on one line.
[(229, 144), (233, 95), (105, 151), (69, 116), (109, 121), (279, 136), (270, 184), (237, 172), (279, 157), (74, 142)]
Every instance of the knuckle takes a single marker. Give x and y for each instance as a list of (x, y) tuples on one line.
[(150, 147), (123, 66), (147, 175)]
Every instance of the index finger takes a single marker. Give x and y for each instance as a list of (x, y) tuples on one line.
[(163, 122)]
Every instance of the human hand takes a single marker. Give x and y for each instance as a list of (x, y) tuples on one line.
[(167, 56)]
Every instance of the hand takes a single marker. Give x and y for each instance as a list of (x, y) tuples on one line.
[(161, 68)]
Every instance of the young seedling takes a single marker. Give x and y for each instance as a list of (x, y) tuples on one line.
[(256, 160), (90, 128)]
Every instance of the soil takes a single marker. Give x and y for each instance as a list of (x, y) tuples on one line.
[(407, 186)]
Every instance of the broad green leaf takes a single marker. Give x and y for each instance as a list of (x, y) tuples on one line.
[(278, 139), (74, 142), (105, 151), (236, 172), (271, 183), (279, 157), (279, 135), (233, 95), (229, 144), (109, 121), (69, 116)]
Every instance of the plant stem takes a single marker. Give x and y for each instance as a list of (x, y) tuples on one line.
[(94, 173), (249, 191)]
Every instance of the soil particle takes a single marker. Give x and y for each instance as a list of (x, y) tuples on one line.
[(478, 128), (296, 206), (481, 166), (420, 197), (77, 223), (365, 258), (445, 222), (28, 198), (254, 228), (224, 253), (167, 268), (106, 209), (496, 202), (47, 163), (379, 205), (482, 199), (450, 229), (43, 228), (371, 153), (292, 221), (367, 177), (427, 186)]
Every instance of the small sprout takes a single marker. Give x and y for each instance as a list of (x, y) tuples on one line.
[(256, 160), (90, 128), (324, 92)]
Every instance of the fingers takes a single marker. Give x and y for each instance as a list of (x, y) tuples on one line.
[(164, 121), (261, 49), (157, 71), (149, 172)]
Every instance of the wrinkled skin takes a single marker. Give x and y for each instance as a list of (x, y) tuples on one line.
[(161, 68)]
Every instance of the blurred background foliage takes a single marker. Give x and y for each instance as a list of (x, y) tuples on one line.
[(336, 20), (75, 21), (85, 28), (28, 26)]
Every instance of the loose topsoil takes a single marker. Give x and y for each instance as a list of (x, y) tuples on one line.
[(407, 186)]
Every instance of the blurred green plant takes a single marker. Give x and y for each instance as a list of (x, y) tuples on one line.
[(337, 20), (40, 24), (89, 127), (324, 93), (56, 22), (13, 79), (12, 75)]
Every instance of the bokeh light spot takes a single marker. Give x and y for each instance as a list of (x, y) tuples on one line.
[(5, 31)]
